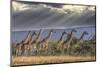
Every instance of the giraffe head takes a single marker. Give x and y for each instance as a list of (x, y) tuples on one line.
[(34, 33), (31, 33), (73, 30), (85, 33), (64, 32), (52, 31), (22, 41)]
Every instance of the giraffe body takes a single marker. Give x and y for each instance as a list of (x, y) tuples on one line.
[(45, 42), (68, 41)]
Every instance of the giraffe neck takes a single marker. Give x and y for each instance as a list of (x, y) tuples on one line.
[(94, 37), (38, 35), (29, 37), (50, 33), (31, 40), (80, 39), (69, 37), (81, 36), (61, 38)]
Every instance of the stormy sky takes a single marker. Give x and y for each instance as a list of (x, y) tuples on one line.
[(30, 16)]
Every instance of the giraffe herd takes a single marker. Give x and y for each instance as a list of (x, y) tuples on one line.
[(32, 44)]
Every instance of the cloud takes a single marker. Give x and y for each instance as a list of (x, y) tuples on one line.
[(78, 8), (16, 6), (36, 16)]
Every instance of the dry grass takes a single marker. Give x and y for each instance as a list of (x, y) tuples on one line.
[(22, 60)]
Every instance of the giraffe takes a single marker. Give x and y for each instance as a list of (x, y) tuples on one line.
[(60, 41), (68, 41), (80, 41), (27, 43), (35, 45), (92, 37), (18, 48), (45, 41), (93, 45), (37, 39), (13, 46), (29, 36)]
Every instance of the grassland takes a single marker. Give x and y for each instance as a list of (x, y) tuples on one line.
[(26, 60)]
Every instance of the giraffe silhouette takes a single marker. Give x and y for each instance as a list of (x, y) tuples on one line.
[(79, 42), (18, 48), (67, 42), (27, 43), (44, 43), (60, 41), (92, 37), (29, 37), (35, 45)]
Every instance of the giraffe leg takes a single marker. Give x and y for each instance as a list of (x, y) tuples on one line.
[(25, 52), (16, 52), (32, 51), (19, 52)]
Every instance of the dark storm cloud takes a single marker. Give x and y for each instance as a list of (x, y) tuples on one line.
[(37, 3), (48, 17)]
